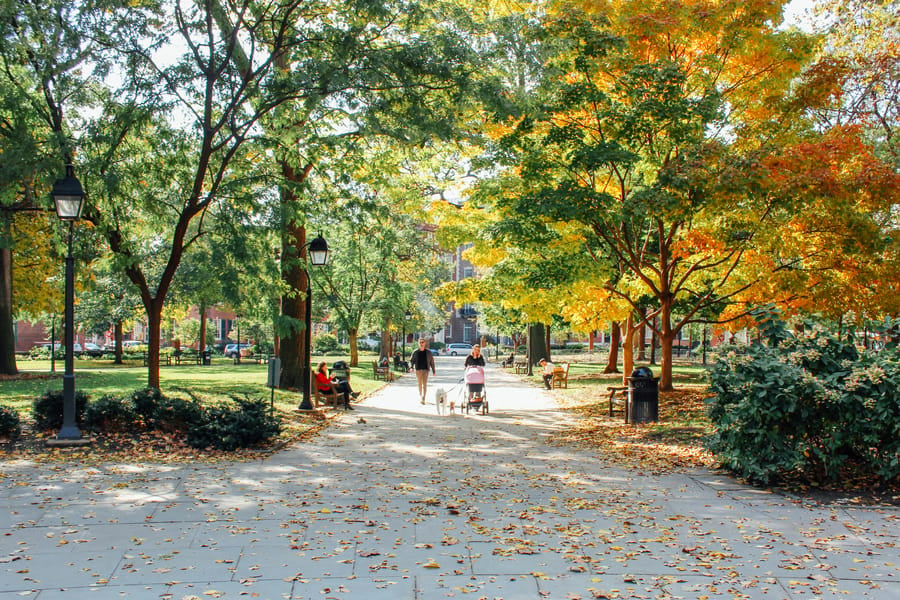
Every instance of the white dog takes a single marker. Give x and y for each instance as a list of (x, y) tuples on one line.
[(440, 401)]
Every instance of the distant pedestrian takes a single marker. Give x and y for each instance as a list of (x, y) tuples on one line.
[(422, 360), (547, 373)]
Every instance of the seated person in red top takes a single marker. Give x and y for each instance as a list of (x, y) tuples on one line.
[(326, 382)]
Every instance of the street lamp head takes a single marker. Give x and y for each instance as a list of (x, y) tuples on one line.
[(68, 195), (408, 315), (318, 251)]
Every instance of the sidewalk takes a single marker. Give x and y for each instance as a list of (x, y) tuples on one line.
[(395, 502)]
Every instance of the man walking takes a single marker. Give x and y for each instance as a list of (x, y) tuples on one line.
[(422, 360)]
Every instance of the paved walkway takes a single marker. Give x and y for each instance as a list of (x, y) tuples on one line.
[(404, 504)]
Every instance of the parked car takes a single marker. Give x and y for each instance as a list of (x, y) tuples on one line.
[(368, 342), (92, 350), (131, 344), (231, 350), (57, 345), (456, 349)]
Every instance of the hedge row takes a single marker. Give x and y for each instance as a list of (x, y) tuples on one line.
[(240, 423)]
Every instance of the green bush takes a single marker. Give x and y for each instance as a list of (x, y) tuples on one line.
[(241, 424), (146, 401), (10, 423), (47, 410), (43, 353), (111, 413), (812, 407), (177, 415), (164, 413), (326, 344)]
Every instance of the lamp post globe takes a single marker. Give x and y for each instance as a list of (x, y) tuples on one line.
[(68, 196), (318, 251)]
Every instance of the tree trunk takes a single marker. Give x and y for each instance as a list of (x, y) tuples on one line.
[(354, 351), (547, 341), (201, 343), (154, 322), (117, 342), (385, 349), (615, 337), (293, 306), (628, 350), (536, 345), (667, 334), (641, 338), (7, 334)]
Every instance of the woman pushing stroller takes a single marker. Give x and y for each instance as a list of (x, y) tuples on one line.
[(474, 378)]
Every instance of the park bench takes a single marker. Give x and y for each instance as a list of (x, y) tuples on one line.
[(521, 368), (325, 397), (259, 359), (622, 393), (187, 357), (560, 376), (381, 373)]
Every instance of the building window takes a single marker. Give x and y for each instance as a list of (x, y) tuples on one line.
[(468, 332)]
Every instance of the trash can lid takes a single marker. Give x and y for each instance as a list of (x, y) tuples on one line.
[(642, 372)]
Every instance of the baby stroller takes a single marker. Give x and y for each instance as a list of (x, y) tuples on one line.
[(473, 394)]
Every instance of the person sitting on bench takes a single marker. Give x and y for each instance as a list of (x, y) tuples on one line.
[(342, 386)]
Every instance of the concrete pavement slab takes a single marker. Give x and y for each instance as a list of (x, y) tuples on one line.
[(395, 501)]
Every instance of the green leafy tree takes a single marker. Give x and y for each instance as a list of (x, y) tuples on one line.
[(44, 70)]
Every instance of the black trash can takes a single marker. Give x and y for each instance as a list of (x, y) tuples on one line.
[(207, 357), (340, 370), (643, 397)]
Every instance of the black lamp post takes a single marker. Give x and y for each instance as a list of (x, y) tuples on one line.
[(68, 195), (406, 318), (317, 251)]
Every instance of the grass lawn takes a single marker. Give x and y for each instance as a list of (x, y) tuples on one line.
[(219, 381), (96, 378)]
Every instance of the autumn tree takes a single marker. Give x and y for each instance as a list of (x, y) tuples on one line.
[(647, 108), (855, 79)]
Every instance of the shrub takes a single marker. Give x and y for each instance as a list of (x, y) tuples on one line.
[(326, 344), (177, 415), (47, 410), (810, 406), (10, 423), (111, 413), (241, 424), (43, 353), (146, 401)]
